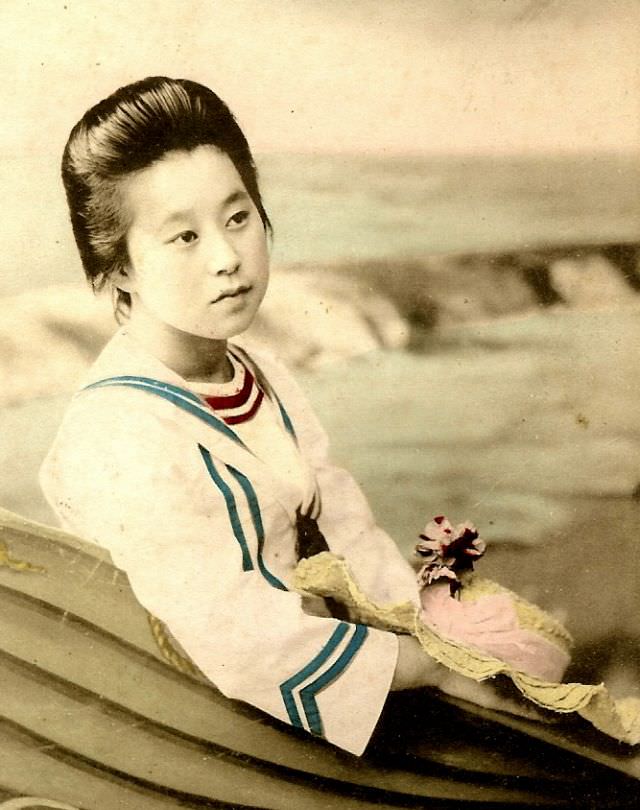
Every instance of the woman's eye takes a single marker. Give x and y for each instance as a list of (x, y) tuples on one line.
[(239, 218), (186, 237)]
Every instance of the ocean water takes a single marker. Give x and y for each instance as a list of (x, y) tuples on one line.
[(328, 208), (331, 208)]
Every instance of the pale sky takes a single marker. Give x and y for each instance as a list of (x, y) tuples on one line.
[(377, 76)]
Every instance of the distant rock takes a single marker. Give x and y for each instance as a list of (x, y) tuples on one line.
[(439, 290), (313, 317), (590, 283), (48, 337)]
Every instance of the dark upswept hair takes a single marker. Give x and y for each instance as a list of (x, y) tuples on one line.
[(129, 131)]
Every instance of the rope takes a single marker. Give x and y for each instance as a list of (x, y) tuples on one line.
[(158, 630), (169, 652)]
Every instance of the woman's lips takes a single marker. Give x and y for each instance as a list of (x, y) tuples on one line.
[(235, 293)]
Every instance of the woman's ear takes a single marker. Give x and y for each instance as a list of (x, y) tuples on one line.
[(123, 279)]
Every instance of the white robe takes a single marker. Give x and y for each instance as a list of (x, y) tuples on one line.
[(206, 534)]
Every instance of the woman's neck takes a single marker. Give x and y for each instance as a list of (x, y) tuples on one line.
[(193, 357)]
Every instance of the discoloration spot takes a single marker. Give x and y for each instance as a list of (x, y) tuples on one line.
[(582, 420), (8, 561)]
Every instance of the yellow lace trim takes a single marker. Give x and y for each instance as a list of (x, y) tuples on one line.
[(328, 575)]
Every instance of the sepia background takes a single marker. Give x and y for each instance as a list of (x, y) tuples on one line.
[(455, 191)]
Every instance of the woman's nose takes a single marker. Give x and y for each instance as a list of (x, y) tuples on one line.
[(223, 258)]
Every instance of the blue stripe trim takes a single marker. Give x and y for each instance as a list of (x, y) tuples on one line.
[(308, 694), (177, 396), (146, 381), (287, 687), (232, 509), (256, 517), (285, 418)]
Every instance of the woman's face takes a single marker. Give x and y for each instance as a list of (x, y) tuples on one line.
[(197, 247)]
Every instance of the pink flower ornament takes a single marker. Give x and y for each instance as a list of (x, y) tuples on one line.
[(447, 552)]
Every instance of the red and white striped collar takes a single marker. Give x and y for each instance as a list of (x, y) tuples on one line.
[(237, 401)]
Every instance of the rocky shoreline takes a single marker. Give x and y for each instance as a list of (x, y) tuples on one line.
[(318, 314), (449, 289)]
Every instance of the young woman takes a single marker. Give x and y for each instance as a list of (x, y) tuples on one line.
[(200, 466)]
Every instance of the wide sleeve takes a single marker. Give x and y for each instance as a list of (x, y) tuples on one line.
[(346, 519), (177, 521)]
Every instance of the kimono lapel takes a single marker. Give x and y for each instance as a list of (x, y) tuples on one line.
[(180, 397), (152, 378)]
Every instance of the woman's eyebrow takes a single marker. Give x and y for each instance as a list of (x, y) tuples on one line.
[(236, 196), (176, 216)]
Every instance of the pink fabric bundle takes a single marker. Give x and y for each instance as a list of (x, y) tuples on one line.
[(489, 623)]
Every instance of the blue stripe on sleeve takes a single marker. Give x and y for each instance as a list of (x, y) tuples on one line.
[(177, 396), (308, 694), (287, 687), (236, 525), (256, 517)]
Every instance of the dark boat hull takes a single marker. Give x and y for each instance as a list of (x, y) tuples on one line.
[(91, 715)]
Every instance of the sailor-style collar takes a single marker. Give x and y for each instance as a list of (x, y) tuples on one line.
[(138, 370)]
